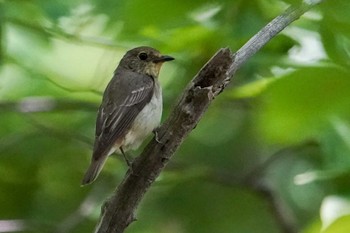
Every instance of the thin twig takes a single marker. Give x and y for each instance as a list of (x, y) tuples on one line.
[(268, 32)]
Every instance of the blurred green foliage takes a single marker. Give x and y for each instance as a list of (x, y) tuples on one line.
[(266, 156)]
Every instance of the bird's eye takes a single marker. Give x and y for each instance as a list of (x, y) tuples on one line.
[(143, 56)]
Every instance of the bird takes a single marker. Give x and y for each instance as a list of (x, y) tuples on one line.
[(131, 107)]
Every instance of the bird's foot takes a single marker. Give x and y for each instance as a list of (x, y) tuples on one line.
[(155, 132)]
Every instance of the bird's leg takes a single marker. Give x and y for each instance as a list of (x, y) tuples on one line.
[(125, 158)]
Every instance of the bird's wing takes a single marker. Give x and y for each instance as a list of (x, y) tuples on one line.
[(125, 96)]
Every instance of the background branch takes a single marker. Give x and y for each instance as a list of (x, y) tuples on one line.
[(268, 32), (60, 34), (118, 211)]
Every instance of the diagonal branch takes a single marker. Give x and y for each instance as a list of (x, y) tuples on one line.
[(268, 32), (118, 211)]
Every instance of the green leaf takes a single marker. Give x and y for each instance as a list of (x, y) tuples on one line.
[(335, 30), (251, 89), (299, 105), (341, 225)]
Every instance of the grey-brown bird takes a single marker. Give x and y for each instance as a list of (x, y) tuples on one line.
[(131, 107)]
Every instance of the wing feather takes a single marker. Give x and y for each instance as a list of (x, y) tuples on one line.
[(124, 97)]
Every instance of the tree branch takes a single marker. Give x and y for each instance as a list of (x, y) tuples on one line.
[(61, 34), (269, 31), (118, 211)]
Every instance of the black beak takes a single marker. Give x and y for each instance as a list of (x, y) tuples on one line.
[(163, 58)]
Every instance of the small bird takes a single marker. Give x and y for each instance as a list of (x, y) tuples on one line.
[(131, 107)]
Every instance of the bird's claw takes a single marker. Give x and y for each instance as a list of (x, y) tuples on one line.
[(155, 132)]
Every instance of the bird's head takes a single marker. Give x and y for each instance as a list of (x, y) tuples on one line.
[(144, 60)]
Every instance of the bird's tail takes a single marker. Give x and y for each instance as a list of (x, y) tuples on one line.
[(93, 170)]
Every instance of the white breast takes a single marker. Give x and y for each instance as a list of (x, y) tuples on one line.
[(145, 122)]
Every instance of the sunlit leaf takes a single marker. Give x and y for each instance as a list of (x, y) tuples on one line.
[(341, 225), (299, 105)]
